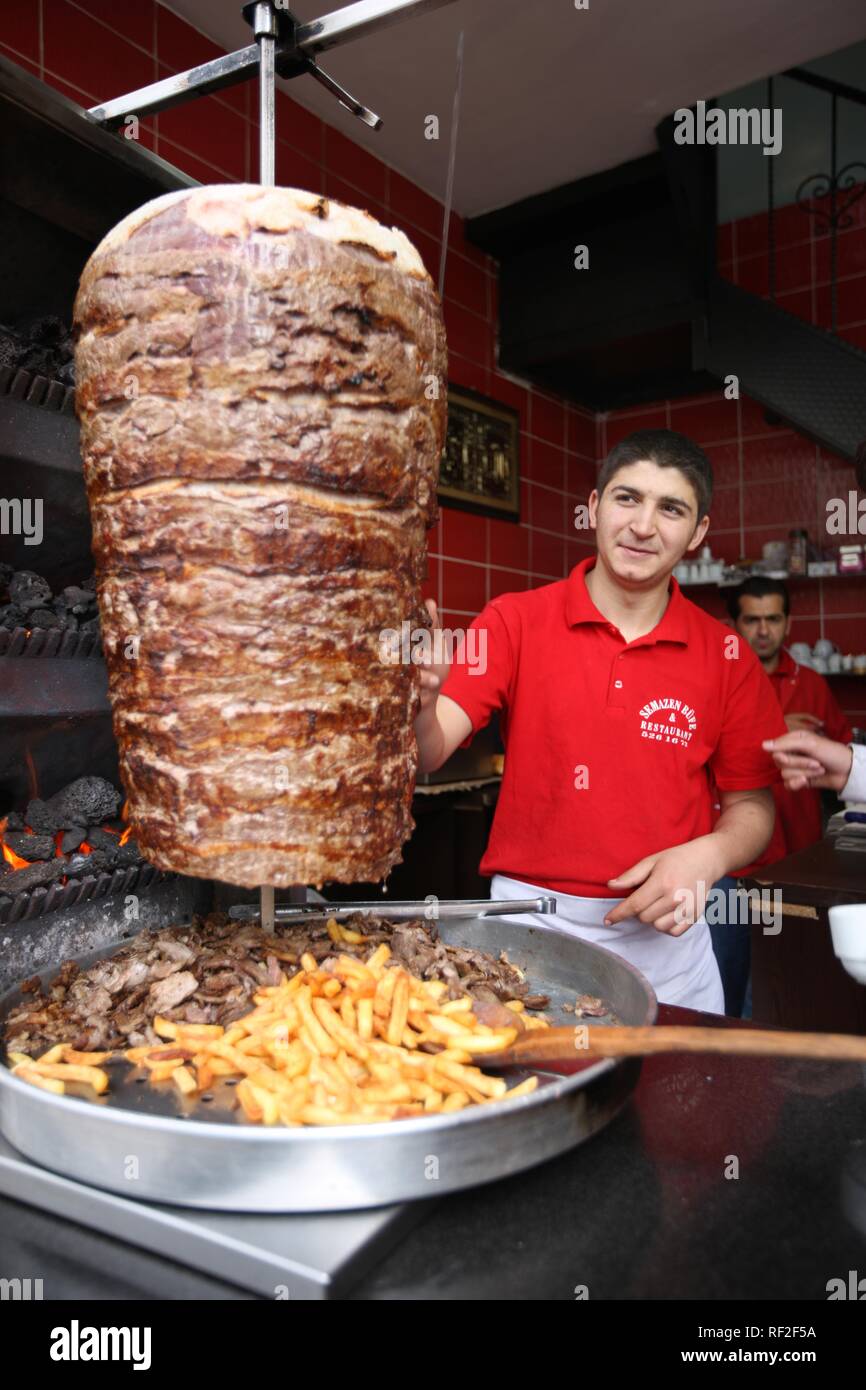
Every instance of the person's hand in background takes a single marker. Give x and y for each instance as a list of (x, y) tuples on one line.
[(808, 760)]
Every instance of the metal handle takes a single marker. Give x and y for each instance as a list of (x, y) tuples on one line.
[(405, 911)]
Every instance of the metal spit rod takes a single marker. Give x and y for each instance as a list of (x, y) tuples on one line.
[(265, 29), (266, 909)]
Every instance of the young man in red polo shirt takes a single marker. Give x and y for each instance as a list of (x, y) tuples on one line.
[(618, 697), (760, 611)]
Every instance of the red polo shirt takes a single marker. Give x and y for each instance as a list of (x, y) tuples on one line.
[(801, 690), (609, 744)]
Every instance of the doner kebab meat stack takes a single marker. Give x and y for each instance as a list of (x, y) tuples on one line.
[(261, 386)]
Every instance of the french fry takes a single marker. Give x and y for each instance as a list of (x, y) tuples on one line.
[(399, 1008), (84, 1059), (485, 1042), (44, 1083), (445, 1026), (365, 1018), (62, 1071), (164, 1071), (322, 1040), (267, 1104), (334, 1025), (385, 993), (458, 1006), (376, 963), (184, 1080), (195, 1032), (472, 1077), (204, 1076), (251, 1107), (524, 1089), (348, 967)]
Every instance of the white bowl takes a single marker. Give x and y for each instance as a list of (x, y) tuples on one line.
[(848, 930), (824, 647)]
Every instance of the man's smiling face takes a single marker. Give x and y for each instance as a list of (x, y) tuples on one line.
[(646, 520)]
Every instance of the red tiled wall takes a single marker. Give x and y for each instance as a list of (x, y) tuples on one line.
[(94, 49), (769, 480), (803, 263)]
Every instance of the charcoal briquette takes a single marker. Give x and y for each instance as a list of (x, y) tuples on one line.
[(30, 847)]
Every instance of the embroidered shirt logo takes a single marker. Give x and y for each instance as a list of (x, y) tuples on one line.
[(668, 721)]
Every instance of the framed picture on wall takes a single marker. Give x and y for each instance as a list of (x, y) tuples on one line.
[(480, 466)]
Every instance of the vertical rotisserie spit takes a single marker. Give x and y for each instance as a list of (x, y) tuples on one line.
[(261, 385)]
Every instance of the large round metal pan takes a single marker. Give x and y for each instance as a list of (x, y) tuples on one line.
[(143, 1141)]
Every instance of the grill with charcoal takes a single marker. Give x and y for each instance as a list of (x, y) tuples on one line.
[(69, 862)]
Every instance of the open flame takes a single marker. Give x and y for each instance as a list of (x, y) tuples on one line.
[(12, 859)]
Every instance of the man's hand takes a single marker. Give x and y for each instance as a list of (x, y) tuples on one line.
[(809, 723), (807, 760), (433, 675), (441, 725), (670, 887)]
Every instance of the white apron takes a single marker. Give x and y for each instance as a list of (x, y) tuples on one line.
[(681, 969)]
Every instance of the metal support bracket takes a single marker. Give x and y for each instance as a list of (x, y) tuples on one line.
[(291, 46)]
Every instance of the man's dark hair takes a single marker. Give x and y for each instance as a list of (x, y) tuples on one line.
[(757, 586), (666, 449)]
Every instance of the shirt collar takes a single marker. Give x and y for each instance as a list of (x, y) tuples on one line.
[(787, 666), (579, 608)]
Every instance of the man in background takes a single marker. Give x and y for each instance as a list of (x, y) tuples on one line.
[(760, 610)]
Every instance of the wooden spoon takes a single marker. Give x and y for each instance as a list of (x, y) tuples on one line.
[(539, 1046)]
